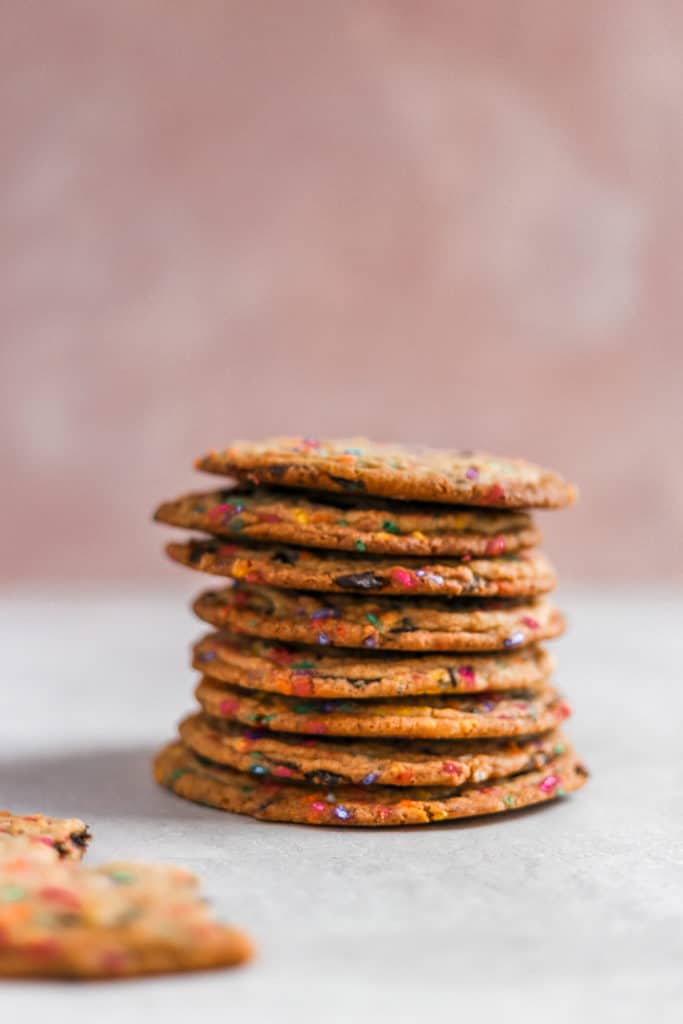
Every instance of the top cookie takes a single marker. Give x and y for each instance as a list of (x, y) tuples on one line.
[(359, 466)]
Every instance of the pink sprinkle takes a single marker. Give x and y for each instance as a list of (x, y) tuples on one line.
[(283, 771), (45, 840), (472, 473), (229, 707), (403, 577), (495, 546), (528, 621), (549, 784), (315, 725), (319, 806), (228, 549), (218, 511), (451, 767), (496, 492), (466, 672)]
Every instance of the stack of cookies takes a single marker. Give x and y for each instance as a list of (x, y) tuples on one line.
[(376, 656)]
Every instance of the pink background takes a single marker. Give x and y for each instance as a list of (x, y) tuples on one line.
[(457, 223)]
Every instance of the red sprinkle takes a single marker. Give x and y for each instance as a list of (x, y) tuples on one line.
[(528, 621), (403, 577), (229, 707), (495, 546)]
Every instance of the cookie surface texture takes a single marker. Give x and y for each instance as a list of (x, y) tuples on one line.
[(327, 761), (359, 466), (340, 620), (298, 671), (199, 780), (356, 524), (526, 574), (481, 715)]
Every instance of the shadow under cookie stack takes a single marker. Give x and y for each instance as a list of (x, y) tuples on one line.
[(376, 656)]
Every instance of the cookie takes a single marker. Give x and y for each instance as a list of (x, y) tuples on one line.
[(525, 574), (18, 850), (68, 836), (388, 623), (196, 779), (297, 671), (62, 920), (359, 466), (517, 713), (351, 524), (331, 762)]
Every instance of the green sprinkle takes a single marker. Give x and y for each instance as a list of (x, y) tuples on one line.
[(509, 800), (11, 893), (342, 522), (124, 877), (303, 664), (360, 545), (175, 775), (390, 527), (198, 510), (373, 619), (237, 524), (560, 792), (304, 707), (559, 748)]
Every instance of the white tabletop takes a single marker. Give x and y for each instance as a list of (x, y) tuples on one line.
[(565, 912)]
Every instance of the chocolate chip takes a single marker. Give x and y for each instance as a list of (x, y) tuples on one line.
[(285, 557), (81, 839), (348, 485), (322, 778), (278, 471), (360, 581)]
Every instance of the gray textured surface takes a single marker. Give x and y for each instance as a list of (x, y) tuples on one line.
[(568, 911)]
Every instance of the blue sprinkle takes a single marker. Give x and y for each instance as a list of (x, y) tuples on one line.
[(370, 641), (371, 777), (353, 451), (258, 769), (325, 613), (207, 656), (341, 812), (323, 638), (514, 640)]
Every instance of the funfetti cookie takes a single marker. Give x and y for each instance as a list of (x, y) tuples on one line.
[(63, 920), (388, 623), (345, 523), (481, 715), (200, 780), (525, 574), (297, 671), (359, 466), (330, 761), (68, 836)]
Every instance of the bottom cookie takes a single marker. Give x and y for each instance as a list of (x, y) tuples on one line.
[(200, 780)]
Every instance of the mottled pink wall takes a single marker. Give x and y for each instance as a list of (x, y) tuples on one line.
[(451, 222)]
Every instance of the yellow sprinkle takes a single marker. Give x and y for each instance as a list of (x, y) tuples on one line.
[(239, 568), (419, 534), (436, 814), (301, 516)]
